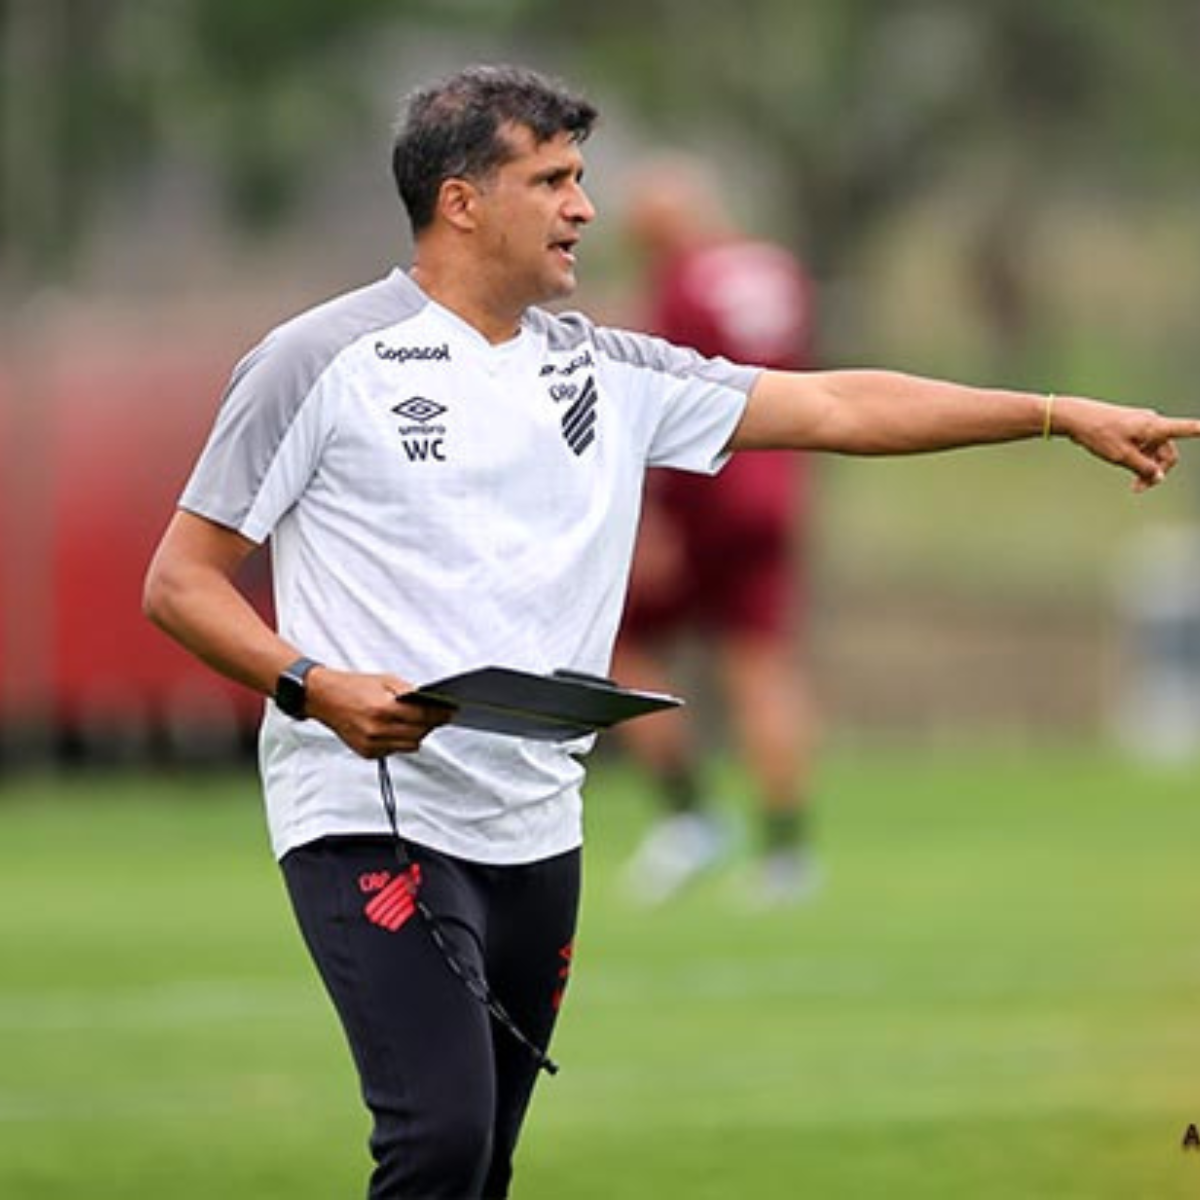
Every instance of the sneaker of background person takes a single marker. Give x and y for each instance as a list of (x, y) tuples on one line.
[(676, 851), (786, 877)]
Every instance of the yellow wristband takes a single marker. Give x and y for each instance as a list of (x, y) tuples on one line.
[(1048, 417)]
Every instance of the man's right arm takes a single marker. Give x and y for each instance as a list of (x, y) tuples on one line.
[(875, 412), (190, 593)]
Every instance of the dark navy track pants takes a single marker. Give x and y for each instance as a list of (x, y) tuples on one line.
[(446, 1085)]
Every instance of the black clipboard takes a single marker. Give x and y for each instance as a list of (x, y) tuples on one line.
[(550, 708)]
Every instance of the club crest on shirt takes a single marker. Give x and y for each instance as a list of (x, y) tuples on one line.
[(579, 418), (577, 395), (422, 436)]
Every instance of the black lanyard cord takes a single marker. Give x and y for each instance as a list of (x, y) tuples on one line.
[(475, 983)]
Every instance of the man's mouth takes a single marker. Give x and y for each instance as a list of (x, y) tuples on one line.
[(566, 248)]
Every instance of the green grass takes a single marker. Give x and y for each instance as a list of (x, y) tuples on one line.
[(997, 994)]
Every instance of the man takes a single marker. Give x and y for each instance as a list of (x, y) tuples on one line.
[(449, 477), (721, 558)]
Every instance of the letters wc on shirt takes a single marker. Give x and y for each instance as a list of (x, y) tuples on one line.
[(421, 436)]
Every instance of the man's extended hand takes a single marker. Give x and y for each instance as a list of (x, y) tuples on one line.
[(1138, 439)]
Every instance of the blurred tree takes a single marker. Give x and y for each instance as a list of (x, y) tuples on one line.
[(858, 104), (64, 111), (91, 90), (862, 100), (861, 104)]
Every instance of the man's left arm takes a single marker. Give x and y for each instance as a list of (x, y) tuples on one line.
[(875, 412)]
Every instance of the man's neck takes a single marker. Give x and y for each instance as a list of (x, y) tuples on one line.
[(463, 297)]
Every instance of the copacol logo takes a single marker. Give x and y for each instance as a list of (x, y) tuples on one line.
[(421, 436)]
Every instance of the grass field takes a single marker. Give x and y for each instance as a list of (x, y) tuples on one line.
[(997, 994)]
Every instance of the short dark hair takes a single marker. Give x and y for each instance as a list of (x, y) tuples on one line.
[(453, 129)]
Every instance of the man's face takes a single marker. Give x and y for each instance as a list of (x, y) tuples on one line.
[(531, 214)]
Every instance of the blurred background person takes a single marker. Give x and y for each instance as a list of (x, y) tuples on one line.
[(721, 559)]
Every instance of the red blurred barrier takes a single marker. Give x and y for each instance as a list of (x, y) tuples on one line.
[(98, 439)]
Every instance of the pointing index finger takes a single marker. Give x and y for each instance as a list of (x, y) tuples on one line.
[(1179, 427)]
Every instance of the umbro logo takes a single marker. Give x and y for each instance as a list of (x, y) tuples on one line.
[(419, 409), (581, 360), (422, 435)]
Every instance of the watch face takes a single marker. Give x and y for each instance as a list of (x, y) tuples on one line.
[(290, 692)]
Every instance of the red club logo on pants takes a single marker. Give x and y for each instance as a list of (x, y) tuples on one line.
[(396, 901)]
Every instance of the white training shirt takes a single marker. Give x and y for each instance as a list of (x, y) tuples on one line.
[(436, 503)]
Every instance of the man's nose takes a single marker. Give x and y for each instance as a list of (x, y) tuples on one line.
[(580, 207)]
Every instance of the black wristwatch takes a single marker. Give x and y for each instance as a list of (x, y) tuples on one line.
[(291, 691)]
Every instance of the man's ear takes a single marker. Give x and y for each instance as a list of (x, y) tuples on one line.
[(456, 202)]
